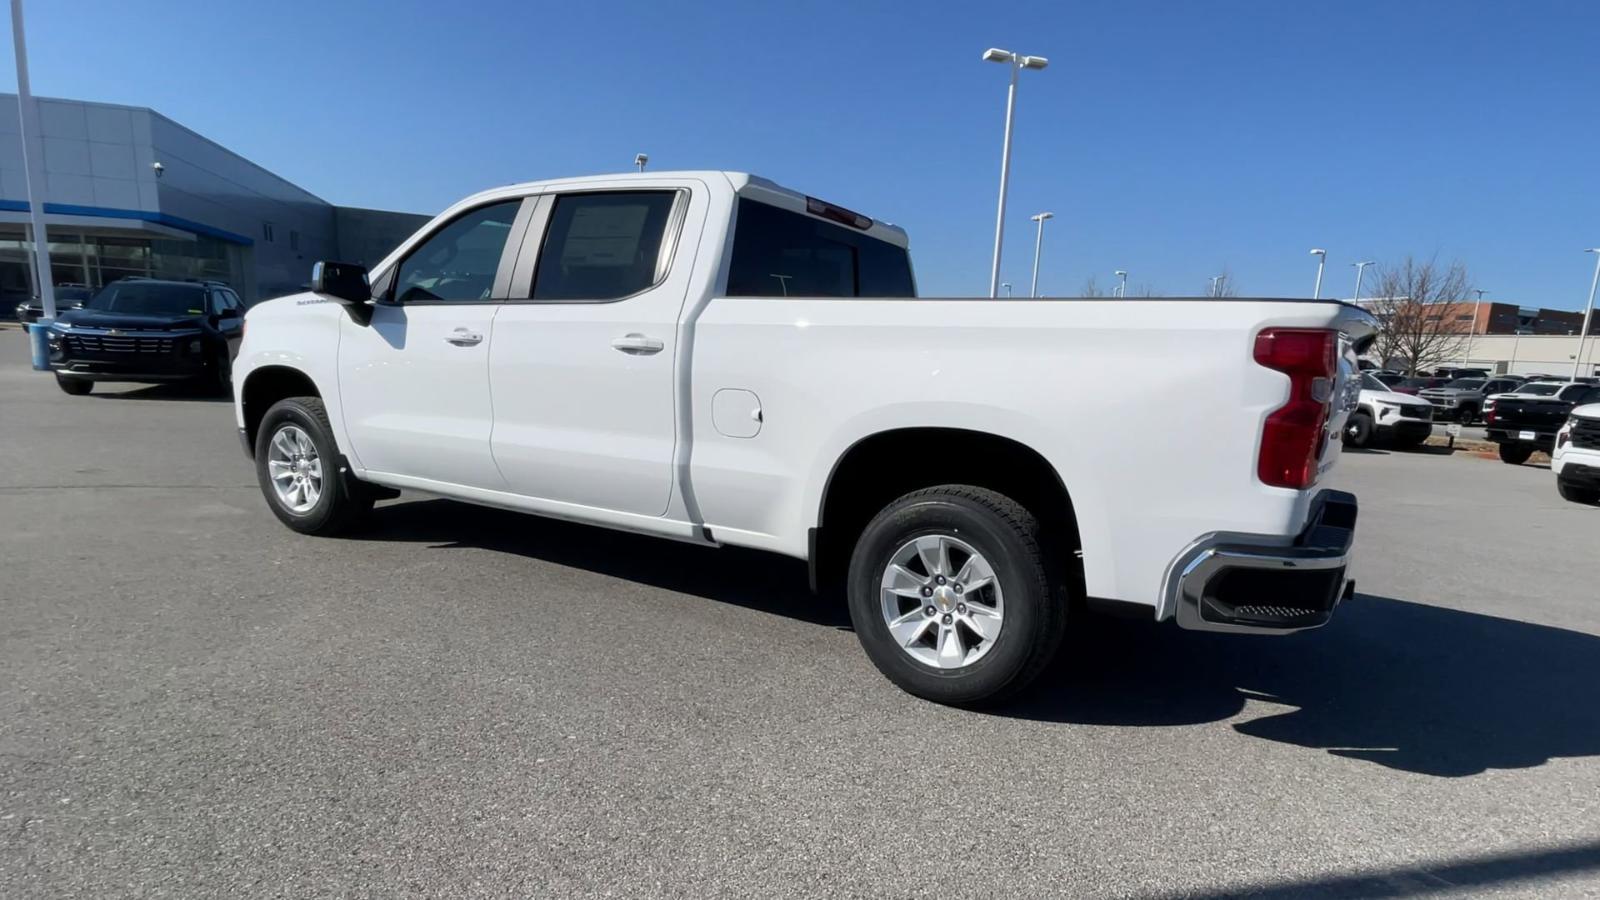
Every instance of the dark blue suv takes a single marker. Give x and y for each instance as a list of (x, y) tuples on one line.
[(148, 330)]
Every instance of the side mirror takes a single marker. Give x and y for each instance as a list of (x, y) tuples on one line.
[(346, 282), (228, 312)]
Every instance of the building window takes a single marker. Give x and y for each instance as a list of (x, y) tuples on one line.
[(294, 240), (1465, 318), (266, 231)]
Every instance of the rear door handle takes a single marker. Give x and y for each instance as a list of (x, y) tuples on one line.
[(461, 337), (638, 343)]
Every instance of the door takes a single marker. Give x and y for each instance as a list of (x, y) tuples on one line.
[(414, 381), (582, 367), (227, 316)]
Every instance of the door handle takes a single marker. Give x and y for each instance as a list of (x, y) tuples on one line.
[(461, 337), (637, 343)]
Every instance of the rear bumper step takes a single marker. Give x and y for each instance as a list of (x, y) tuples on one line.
[(1269, 589)]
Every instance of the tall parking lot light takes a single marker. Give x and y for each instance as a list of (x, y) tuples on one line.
[(1322, 260), (1472, 333), (1038, 245), (1018, 62), (1122, 287), (1360, 268), (1588, 313), (32, 165)]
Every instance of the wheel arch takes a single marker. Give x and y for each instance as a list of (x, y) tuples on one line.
[(266, 385), (880, 467)]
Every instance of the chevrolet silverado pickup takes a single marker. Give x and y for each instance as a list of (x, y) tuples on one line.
[(1527, 419), (710, 357)]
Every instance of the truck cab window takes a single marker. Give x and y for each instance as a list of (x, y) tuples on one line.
[(778, 253), (602, 246), (458, 262)]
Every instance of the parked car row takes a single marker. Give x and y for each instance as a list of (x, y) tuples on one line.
[(1558, 417)]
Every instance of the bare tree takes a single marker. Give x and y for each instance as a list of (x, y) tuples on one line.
[(1145, 290), (1090, 288), (1420, 307), (1224, 285)]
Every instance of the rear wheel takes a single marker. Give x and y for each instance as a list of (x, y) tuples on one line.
[(298, 470), (952, 597), (1586, 495), (1358, 430), (77, 387), (1515, 454), (1468, 415)]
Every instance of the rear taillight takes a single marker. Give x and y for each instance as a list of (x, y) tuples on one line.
[(1292, 438)]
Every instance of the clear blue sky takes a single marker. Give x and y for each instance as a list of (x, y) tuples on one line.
[(1170, 138)]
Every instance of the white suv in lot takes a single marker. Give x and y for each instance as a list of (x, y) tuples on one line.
[(1576, 460), (710, 357), (1384, 415)]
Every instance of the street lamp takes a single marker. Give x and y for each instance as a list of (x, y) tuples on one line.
[(640, 159), (1360, 268), (1322, 260), (1007, 286), (1588, 313), (1122, 289), (1038, 244), (1472, 332), (1214, 280), (1018, 62)]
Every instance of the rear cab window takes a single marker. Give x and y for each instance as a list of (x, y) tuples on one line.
[(779, 253)]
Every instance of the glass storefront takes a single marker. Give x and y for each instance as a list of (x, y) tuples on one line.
[(95, 260)]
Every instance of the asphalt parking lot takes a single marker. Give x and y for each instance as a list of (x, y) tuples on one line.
[(462, 702)]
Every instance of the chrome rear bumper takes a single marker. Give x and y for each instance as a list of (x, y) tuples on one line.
[(1243, 587)]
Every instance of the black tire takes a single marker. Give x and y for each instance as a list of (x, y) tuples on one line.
[(1515, 454), (77, 387), (1585, 495), (1033, 595), (1468, 415), (222, 375), (341, 504), (1358, 430)]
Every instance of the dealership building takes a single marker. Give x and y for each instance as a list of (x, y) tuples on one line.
[(129, 192)]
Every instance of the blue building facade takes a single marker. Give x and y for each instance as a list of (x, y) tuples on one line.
[(130, 192)]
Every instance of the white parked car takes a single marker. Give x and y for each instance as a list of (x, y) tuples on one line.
[(710, 357), (1383, 415), (1576, 460)]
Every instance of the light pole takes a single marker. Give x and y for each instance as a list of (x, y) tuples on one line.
[(32, 166), (1038, 244), (640, 159), (1007, 286), (1472, 333), (1214, 280), (1322, 260), (1588, 313), (1018, 62), (1122, 288), (1361, 267)]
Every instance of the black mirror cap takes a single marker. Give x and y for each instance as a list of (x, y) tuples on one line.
[(347, 282)]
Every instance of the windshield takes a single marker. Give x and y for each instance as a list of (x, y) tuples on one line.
[(1465, 384), (149, 298), (1417, 382), (1369, 383), (1539, 390)]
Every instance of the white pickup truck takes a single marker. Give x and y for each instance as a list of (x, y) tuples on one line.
[(710, 357)]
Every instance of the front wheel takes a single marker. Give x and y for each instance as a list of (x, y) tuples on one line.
[(77, 387), (297, 467), (1585, 495), (1358, 430), (1515, 454), (952, 597)]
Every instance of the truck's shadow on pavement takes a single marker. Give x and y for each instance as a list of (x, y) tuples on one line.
[(1406, 685)]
